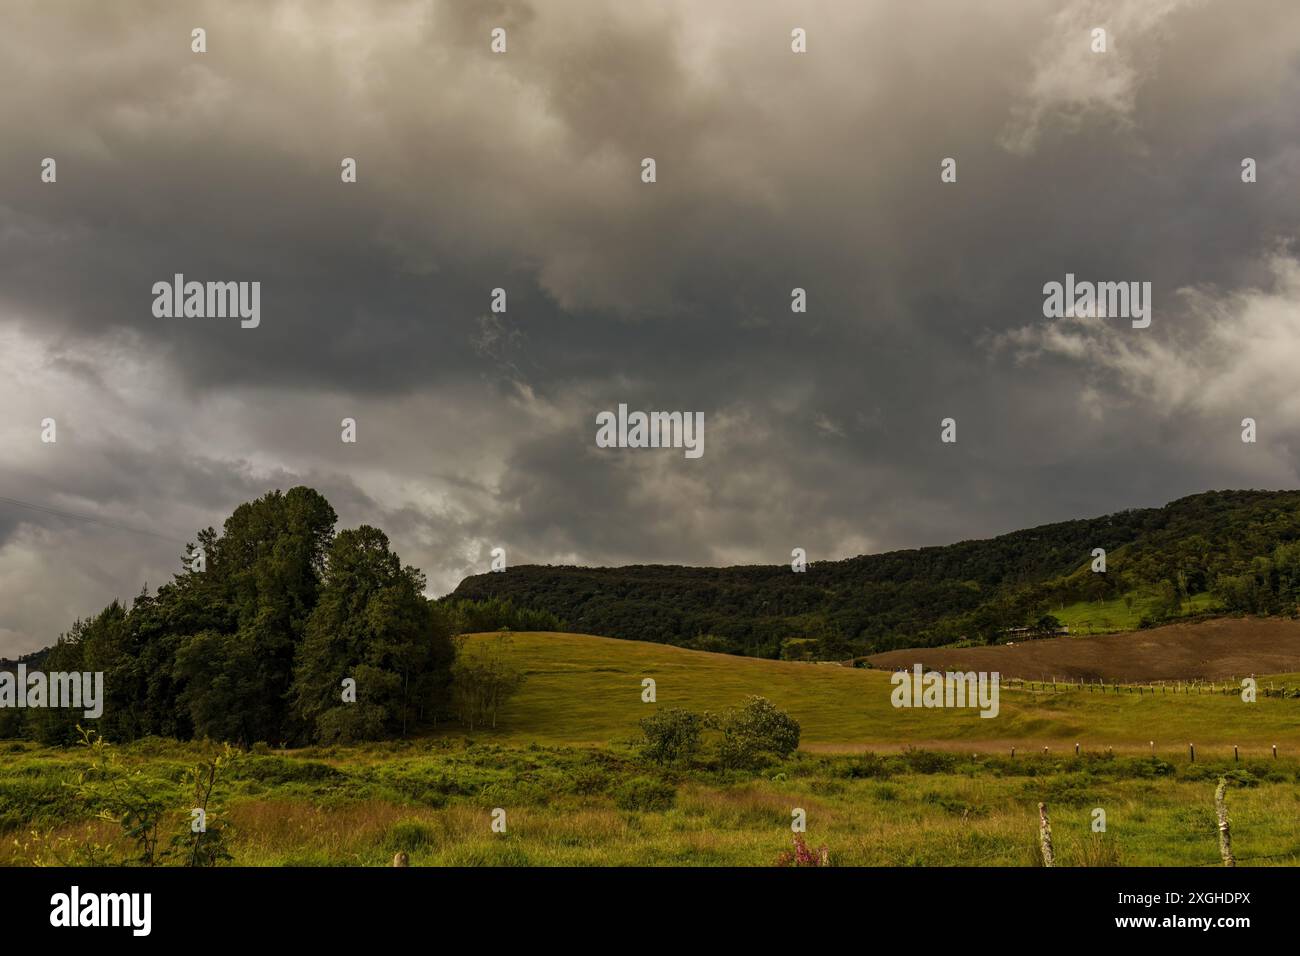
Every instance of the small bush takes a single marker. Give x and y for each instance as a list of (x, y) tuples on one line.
[(671, 735), (927, 761), (281, 770), (1241, 776), (870, 766), (644, 793), (586, 781)]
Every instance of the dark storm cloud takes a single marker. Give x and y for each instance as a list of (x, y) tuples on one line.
[(521, 171)]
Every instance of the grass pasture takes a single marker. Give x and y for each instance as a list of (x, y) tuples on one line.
[(1125, 613), (880, 786), (587, 690)]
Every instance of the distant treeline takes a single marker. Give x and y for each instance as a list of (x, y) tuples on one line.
[(1239, 545), (256, 645)]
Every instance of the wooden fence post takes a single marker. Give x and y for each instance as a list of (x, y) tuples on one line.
[(1191, 752), (1225, 835), (1045, 836)]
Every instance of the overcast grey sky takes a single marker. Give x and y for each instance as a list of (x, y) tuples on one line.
[(522, 170)]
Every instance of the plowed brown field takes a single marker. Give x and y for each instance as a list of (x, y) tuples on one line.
[(1215, 649)]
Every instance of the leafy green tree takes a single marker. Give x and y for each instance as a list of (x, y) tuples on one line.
[(756, 733), (1047, 625), (52, 725), (374, 625), (238, 623), (494, 614), (671, 735), (484, 676)]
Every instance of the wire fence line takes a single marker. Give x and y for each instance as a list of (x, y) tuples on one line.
[(1232, 686)]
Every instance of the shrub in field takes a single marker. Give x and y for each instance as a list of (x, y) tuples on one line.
[(671, 735), (140, 805), (1238, 777), (644, 793), (927, 761), (281, 770), (1143, 768), (1241, 776), (870, 766), (205, 845), (589, 780), (1067, 789), (756, 733), (128, 799)]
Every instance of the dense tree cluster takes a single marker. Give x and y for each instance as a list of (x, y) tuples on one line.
[(1233, 543), (494, 614), (256, 645)]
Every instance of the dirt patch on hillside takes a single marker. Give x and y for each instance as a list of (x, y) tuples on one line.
[(1216, 649)]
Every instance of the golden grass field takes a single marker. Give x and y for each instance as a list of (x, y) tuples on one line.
[(880, 786), (587, 690)]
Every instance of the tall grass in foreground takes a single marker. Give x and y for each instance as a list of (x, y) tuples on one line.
[(581, 806)]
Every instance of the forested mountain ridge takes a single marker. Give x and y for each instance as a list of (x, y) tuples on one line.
[(1238, 546)]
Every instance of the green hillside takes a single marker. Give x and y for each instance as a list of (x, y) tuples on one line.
[(582, 689), (1229, 550)]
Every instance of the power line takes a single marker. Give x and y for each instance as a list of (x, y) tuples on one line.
[(59, 512)]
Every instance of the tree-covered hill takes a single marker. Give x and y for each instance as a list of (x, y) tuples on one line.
[(1238, 547)]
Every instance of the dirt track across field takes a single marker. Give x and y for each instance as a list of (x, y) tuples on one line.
[(1215, 649)]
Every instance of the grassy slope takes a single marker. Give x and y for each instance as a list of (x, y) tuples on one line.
[(1106, 617), (585, 689)]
